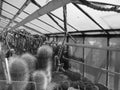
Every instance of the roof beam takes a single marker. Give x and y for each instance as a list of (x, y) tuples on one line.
[(90, 17), (37, 18), (87, 31), (63, 21), (51, 6), (88, 35), (51, 14), (1, 4), (19, 11), (30, 23), (23, 25)]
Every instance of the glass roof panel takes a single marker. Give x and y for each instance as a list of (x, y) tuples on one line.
[(58, 12), (98, 15), (3, 22), (12, 24), (36, 28), (70, 28), (23, 15), (6, 14), (42, 2), (47, 19), (31, 8), (9, 8), (18, 19), (76, 18), (113, 21), (18, 4), (60, 22), (48, 28)]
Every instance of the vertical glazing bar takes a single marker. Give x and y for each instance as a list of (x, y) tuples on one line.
[(107, 63), (66, 34), (65, 18), (83, 57)]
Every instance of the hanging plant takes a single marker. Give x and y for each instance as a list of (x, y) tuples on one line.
[(101, 6)]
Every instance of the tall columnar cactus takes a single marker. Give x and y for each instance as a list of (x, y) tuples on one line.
[(30, 60), (40, 78), (19, 73), (44, 58)]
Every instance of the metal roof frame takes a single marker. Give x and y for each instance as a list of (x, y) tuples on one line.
[(51, 14), (44, 10), (29, 22), (23, 25), (52, 5), (19, 11), (90, 17), (77, 33), (1, 3), (37, 18)]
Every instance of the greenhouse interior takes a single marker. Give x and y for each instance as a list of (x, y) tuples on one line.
[(59, 44)]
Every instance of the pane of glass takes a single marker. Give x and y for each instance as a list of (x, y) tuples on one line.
[(79, 20), (76, 53), (12, 24), (114, 79), (58, 12), (42, 2), (31, 8), (48, 28), (16, 3), (96, 58), (97, 16), (48, 20), (6, 14), (112, 20), (18, 19), (36, 28), (9, 8), (23, 15)]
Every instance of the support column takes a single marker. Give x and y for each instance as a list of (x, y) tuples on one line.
[(107, 62), (66, 63), (83, 57)]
